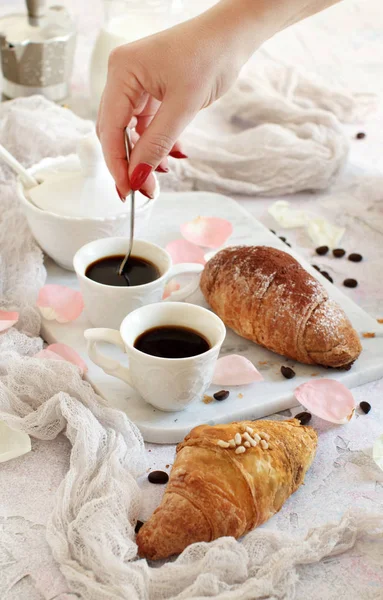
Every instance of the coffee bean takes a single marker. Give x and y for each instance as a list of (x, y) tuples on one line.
[(158, 477), (360, 136), (365, 406), (322, 250), (316, 267), (138, 526), (287, 372), (222, 395), (287, 244), (327, 276), (339, 252), (282, 238), (355, 257), (350, 283), (303, 418), (272, 231)]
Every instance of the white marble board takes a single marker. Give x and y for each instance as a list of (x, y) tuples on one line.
[(254, 401)]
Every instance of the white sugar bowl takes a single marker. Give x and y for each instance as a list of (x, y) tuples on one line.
[(76, 202)]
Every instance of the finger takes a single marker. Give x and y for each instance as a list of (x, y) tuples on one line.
[(159, 138), (163, 167), (111, 133), (149, 189), (118, 105), (177, 151), (147, 114)]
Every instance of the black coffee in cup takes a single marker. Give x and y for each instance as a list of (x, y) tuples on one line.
[(137, 271), (172, 341)]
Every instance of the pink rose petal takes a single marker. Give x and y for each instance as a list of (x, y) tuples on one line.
[(235, 370), (48, 354), (63, 352), (210, 232), (60, 303), (328, 399), (170, 287), (8, 319), (183, 251)]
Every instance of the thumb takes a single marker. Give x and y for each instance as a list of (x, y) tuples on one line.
[(158, 139)]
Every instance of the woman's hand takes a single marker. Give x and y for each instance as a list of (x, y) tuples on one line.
[(161, 82)]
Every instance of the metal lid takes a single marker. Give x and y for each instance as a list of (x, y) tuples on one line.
[(52, 25)]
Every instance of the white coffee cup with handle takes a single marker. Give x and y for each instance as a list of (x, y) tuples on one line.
[(169, 384), (108, 305)]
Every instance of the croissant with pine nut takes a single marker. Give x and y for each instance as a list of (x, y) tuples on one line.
[(266, 296), (226, 480)]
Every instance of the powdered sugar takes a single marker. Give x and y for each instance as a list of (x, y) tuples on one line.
[(328, 318)]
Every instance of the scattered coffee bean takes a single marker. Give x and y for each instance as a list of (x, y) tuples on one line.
[(282, 238), (316, 267), (303, 418), (350, 283), (222, 395), (360, 136), (339, 252), (327, 276), (287, 244), (355, 257), (272, 231), (158, 477), (138, 526), (365, 406), (287, 372), (322, 250)]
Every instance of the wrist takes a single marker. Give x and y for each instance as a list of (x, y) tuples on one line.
[(252, 22), (241, 25)]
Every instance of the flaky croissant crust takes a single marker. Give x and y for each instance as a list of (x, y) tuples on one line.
[(214, 492), (266, 296)]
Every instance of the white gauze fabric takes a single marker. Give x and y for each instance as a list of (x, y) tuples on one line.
[(287, 135), (91, 529)]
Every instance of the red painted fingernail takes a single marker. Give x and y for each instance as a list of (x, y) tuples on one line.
[(147, 195), (162, 169), (120, 195), (177, 154), (140, 175)]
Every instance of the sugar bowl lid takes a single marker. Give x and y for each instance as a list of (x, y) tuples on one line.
[(79, 185)]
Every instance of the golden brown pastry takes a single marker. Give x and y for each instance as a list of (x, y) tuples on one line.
[(218, 488), (265, 295)]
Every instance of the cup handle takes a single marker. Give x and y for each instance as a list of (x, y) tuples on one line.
[(107, 364), (190, 288)]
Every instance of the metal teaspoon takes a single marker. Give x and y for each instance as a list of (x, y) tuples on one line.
[(128, 148)]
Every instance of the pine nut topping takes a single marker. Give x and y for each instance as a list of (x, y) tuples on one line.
[(238, 439), (266, 436), (240, 450), (247, 444), (232, 444), (223, 444), (264, 444), (251, 441), (249, 430), (257, 437)]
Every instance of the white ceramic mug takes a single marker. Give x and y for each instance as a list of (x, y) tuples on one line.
[(169, 384), (108, 305)]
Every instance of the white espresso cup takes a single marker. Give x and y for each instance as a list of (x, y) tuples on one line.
[(169, 384), (108, 305)]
